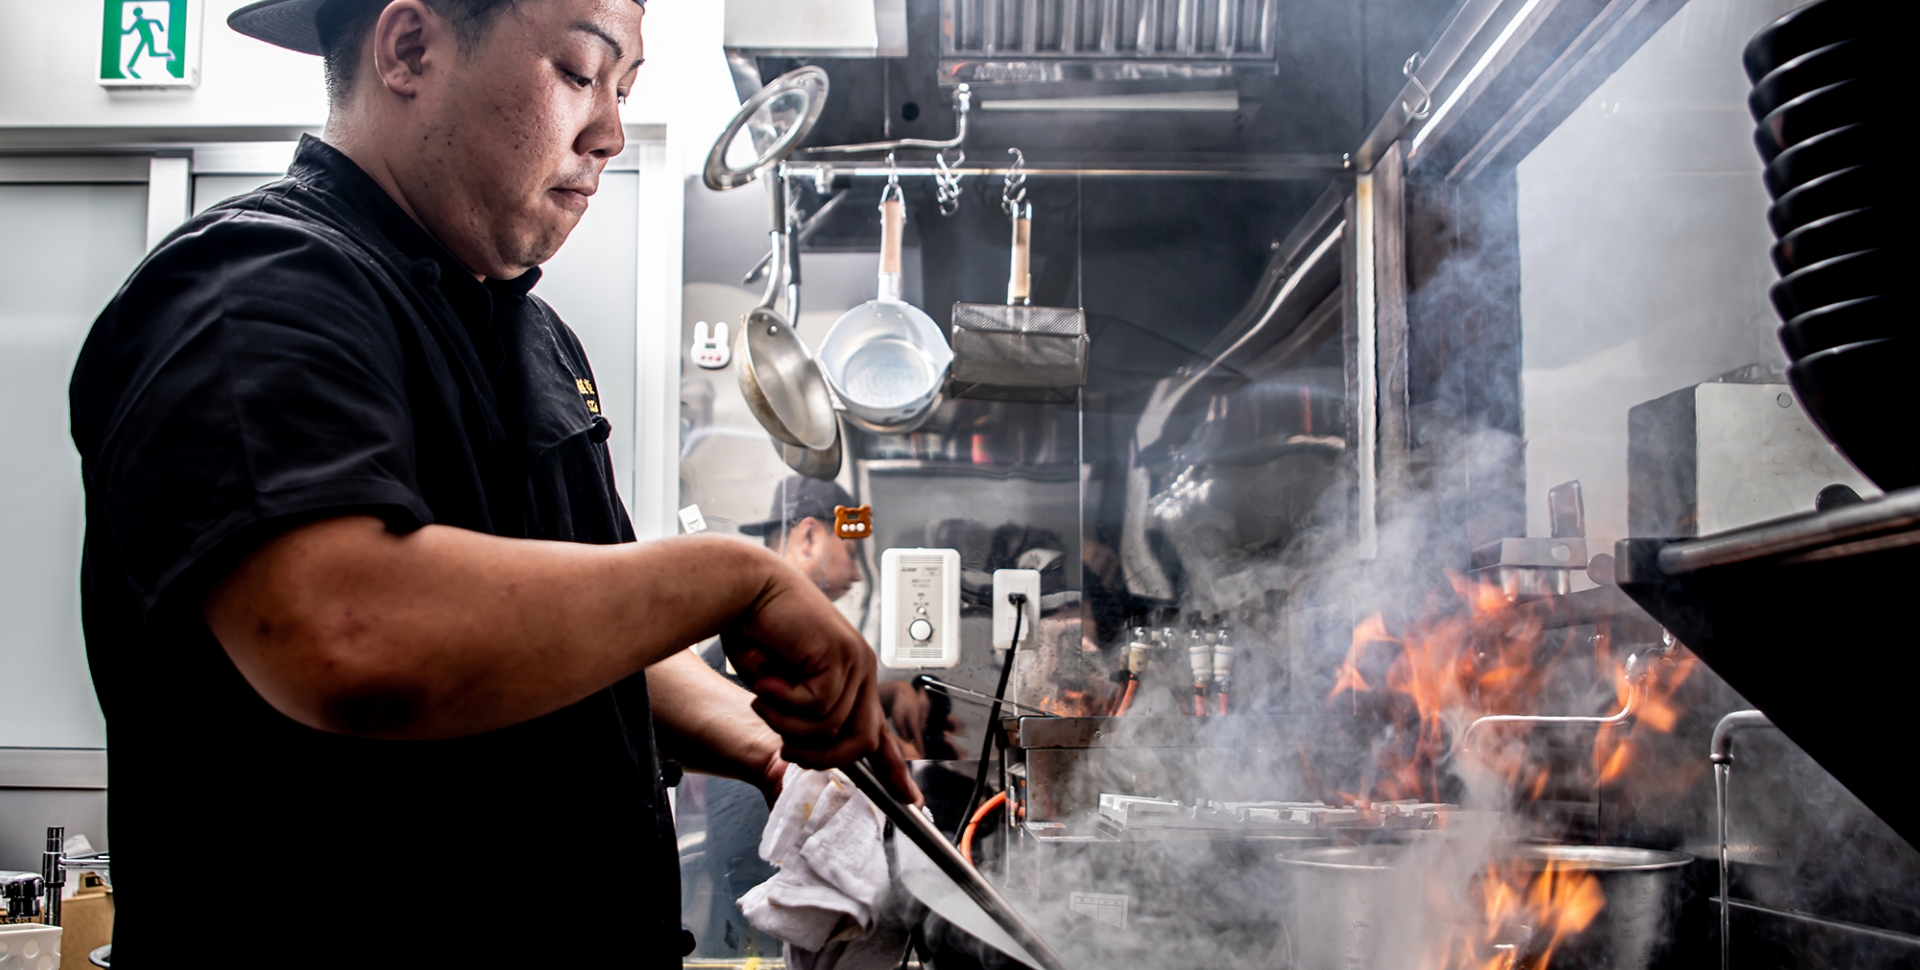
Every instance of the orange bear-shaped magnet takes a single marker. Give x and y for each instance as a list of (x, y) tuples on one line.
[(853, 523)]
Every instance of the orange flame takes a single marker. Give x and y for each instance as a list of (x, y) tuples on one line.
[(1474, 654), (1478, 653)]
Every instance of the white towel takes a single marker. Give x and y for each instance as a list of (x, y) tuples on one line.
[(826, 838)]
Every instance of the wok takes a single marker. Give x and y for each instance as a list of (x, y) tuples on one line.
[(1807, 29), (1835, 235), (1851, 277), (1836, 62), (1860, 394), (1820, 110), (1829, 151), (1855, 187), (1839, 324)]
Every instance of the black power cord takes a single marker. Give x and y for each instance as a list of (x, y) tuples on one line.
[(1019, 601)]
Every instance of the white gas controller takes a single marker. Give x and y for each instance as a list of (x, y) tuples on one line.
[(919, 608)]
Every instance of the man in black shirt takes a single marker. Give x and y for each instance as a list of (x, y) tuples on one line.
[(387, 680)]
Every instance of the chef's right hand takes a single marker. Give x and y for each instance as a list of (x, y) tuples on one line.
[(815, 680)]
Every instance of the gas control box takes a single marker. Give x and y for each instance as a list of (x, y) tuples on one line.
[(919, 608)]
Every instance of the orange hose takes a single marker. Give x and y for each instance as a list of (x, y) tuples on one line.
[(966, 838), (1199, 704), (1126, 699), (1223, 702)]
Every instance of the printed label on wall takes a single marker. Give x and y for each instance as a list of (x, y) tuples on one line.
[(150, 43)]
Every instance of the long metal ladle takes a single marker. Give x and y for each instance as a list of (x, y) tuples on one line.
[(915, 827)]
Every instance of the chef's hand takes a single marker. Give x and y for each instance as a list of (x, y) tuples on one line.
[(773, 778), (815, 681)]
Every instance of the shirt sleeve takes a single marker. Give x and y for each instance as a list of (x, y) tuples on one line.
[(249, 376)]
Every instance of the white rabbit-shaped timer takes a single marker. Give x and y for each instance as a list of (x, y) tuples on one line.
[(711, 351)]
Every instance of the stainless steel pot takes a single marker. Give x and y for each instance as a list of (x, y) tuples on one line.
[(1366, 908), (1642, 888)]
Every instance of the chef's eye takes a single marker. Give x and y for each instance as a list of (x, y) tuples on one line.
[(577, 80)]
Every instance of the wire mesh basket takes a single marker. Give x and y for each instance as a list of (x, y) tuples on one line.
[(1027, 353)]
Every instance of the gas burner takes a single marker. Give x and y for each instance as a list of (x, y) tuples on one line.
[(1138, 812)]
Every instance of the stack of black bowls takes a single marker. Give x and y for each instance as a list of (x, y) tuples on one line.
[(1824, 94)]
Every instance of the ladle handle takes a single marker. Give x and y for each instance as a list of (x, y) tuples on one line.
[(1020, 277), (893, 221)]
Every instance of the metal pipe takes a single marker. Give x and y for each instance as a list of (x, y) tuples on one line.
[(962, 103), (1215, 170), (1633, 703), (1890, 936), (1639, 670), (806, 232), (915, 827), (955, 690), (1721, 754), (53, 875)]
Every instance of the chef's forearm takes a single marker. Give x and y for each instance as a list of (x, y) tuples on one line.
[(445, 632), (707, 723)]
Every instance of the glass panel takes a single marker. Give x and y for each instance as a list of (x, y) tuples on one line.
[(1643, 246), (78, 244)]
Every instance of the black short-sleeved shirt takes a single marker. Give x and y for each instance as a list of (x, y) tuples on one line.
[(303, 352)]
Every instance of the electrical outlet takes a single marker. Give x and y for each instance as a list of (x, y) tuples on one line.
[(1006, 582)]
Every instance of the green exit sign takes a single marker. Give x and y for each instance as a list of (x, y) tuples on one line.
[(150, 43)]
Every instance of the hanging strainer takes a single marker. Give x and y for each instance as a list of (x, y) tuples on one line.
[(1018, 352)]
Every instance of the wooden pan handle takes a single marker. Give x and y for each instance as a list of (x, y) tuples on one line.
[(1020, 279), (893, 220)]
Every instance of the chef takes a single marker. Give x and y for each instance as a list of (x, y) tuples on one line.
[(387, 680)]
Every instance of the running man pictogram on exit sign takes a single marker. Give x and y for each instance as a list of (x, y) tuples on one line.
[(150, 43)]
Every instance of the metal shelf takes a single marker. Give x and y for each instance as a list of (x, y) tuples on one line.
[(1810, 618)]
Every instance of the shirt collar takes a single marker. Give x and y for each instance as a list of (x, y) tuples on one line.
[(325, 167)]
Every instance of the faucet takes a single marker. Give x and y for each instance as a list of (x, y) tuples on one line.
[(1721, 754)]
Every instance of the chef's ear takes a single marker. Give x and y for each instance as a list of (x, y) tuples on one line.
[(408, 40)]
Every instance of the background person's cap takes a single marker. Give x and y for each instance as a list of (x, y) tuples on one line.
[(799, 498), (292, 24)]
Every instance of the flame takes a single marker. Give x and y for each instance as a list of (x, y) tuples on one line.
[(1474, 653), (1558, 901), (1657, 712), (1464, 656)]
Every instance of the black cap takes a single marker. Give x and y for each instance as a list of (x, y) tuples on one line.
[(292, 24), (799, 498)]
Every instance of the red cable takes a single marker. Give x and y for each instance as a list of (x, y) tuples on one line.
[(966, 838)]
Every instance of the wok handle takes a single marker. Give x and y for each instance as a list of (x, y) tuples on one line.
[(893, 220), (915, 826), (1020, 277)]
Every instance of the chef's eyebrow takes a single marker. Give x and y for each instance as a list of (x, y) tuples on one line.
[(619, 52)]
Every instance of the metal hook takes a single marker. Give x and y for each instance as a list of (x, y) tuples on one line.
[(946, 181), (1014, 192), (892, 192), (1425, 107)]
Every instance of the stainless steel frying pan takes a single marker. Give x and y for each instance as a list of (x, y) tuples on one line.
[(782, 385)]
